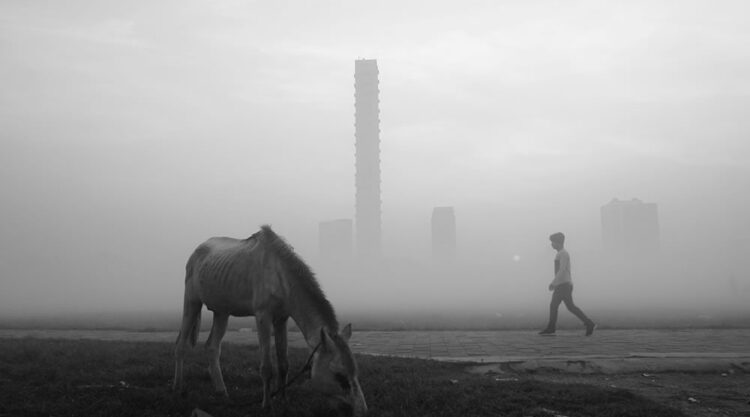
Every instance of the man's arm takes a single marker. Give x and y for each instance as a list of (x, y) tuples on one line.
[(562, 270)]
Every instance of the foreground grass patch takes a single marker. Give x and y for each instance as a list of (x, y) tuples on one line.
[(40, 377)]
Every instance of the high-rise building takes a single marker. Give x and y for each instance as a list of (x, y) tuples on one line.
[(630, 227), (443, 233), (367, 155), (335, 240)]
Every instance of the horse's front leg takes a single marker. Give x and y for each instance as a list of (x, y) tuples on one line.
[(263, 324), (279, 330)]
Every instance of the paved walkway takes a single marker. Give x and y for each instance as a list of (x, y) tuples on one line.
[(607, 351), (491, 346), (510, 345)]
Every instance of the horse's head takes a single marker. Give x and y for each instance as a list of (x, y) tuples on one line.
[(334, 370)]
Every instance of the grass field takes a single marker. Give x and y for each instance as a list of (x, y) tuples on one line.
[(98, 378)]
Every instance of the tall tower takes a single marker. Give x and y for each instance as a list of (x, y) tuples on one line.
[(630, 227), (367, 154), (443, 234)]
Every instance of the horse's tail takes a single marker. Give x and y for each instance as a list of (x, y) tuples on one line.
[(195, 327), (195, 330), (191, 306)]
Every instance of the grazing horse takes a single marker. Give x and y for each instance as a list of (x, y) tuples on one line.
[(262, 276)]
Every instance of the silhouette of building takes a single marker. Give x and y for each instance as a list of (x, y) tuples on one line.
[(443, 233), (367, 154), (335, 240), (630, 227)]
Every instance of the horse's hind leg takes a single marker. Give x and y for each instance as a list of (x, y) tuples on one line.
[(263, 324), (280, 335), (191, 315), (213, 346)]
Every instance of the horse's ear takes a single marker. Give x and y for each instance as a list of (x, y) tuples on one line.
[(346, 334), (325, 340)]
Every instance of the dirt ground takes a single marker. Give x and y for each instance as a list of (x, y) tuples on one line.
[(695, 394)]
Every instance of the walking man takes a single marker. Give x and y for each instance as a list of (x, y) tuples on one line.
[(562, 288)]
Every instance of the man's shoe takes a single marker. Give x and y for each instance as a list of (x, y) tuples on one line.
[(590, 328), (546, 332)]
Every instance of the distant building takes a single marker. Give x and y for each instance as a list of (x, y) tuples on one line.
[(630, 227), (443, 233), (367, 158), (335, 240)]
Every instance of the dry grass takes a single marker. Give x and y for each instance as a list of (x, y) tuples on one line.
[(97, 378)]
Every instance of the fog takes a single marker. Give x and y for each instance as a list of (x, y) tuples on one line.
[(133, 131)]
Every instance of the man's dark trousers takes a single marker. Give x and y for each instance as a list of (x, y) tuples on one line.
[(564, 294)]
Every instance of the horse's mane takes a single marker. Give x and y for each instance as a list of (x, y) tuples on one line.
[(304, 276)]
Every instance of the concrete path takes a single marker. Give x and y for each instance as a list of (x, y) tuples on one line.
[(510, 345), (568, 350), (607, 351)]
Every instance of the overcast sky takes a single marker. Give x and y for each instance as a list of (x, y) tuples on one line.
[(131, 131)]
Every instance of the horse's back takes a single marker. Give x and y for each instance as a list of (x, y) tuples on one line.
[(223, 271), (222, 244)]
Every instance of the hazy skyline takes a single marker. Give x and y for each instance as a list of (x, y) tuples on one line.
[(133, 131)]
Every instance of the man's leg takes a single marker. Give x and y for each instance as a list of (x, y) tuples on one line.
[(553, 307), (567, 298)]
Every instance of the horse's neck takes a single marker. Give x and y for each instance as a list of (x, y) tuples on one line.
[(305, 312)]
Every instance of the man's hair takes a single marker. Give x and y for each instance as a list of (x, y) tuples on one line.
[(557, 237)]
